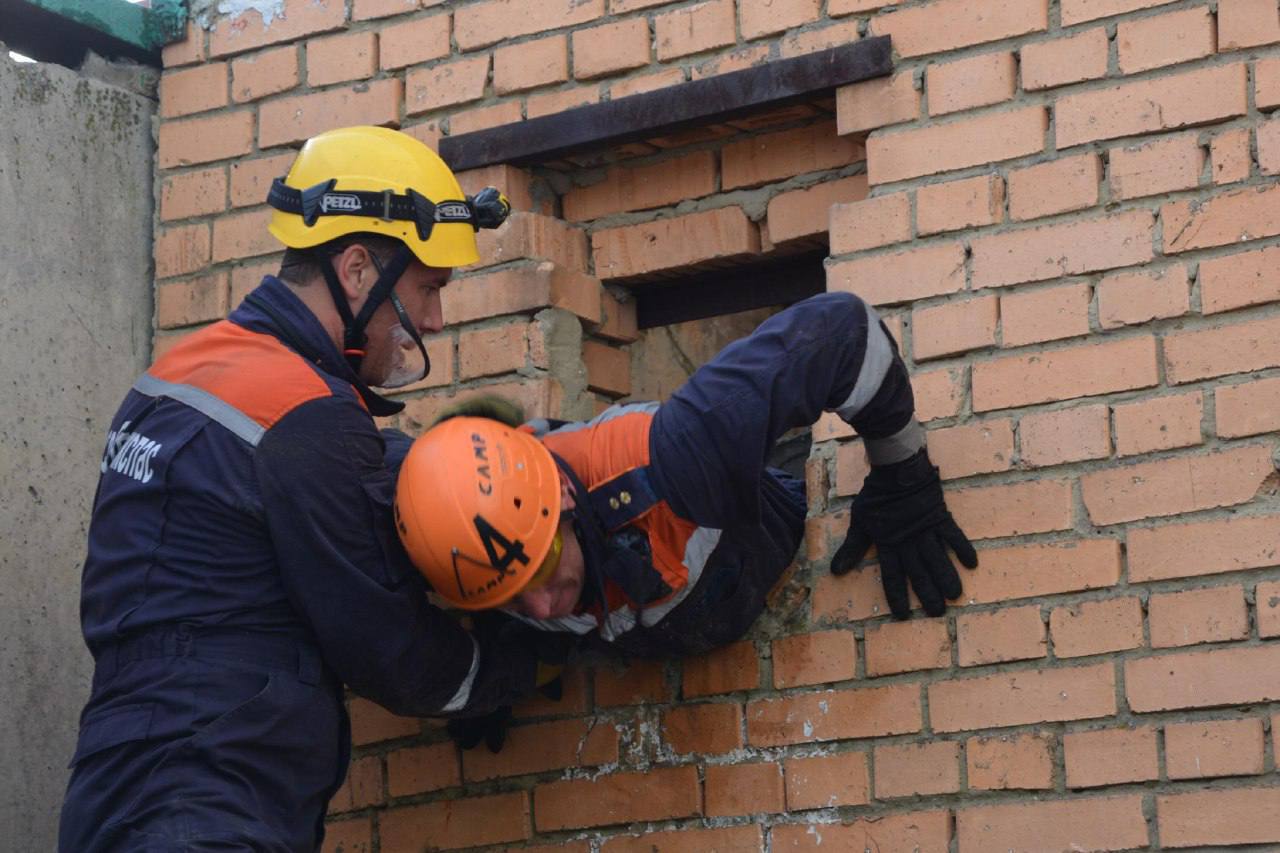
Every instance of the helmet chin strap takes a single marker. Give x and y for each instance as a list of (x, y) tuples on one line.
[(354, 339)]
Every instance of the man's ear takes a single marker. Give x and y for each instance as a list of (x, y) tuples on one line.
[(354, 269), (566, 492)]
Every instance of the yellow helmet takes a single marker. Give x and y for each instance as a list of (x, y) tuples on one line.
[(378, 181)]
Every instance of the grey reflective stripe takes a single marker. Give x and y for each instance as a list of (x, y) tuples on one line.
[(463, 696), (696, 552), (875, 365), (541, 426), (903, 444), (217, 410)]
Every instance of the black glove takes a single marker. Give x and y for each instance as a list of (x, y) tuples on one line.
[(900, 510), (467, 732)]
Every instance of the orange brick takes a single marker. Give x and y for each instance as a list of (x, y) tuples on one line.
[(415, 41), (202, 140), (362, 787), (1160, 423), (884, 279), (975, 81), (193, 90), (848, 7), (725, 670), (693, 29), (1094, 627), (806, 213), (1250, 408), (1214, 748), (658, 184), (573, 700), (1032, 696), (1229, 676), (1178, 485), (191, 194), (524, 193), (736, 60), (1268, 599), (954, 327), (1203, 547), (1229, 152), (1247, 23), (640, 682), (1010, 762), (1224, 219), (1051, 251), (1064, 435), (457, 823), (818, 658), (1094, 823), (822, 38), (297, 19), (193, 300), (550, 103), (445, 85), (354, 835), (913, 769), (1178, 100), (834, 715), (243, 235), (1045, 315), (181, 250), (493, 21), (996, 636), (337, 59), (482, 118), (1079, 371), (1240, 280), (251, 179), (1077, 11), (894, 647), (492, 350), (1268, 134), (870, 223), (530, 235), (509, 290), (1180, 36), (608, 368), (1030, 571), (925, 832), (939, 393), (540, 747), (774, 156), (1187, 618), (739, 789), (1036, 506), (1165, 165), (190, 48), (679, 241), (851, 468), (827, 781), (415, 770), (915, 31), (1204, 818), (877, 103), (957, 144), (608, 49), (646, 83), (1266, 83), (1110, 756), (1058, 186), (1236, 348), (658, 794), (1133, 298), (266, 73), (980, 447), (371, 723), (297, 118), (967, 203), (1061, 61), (364, 10), (766, 17), (531, 64), (727, 839), (705, 728)]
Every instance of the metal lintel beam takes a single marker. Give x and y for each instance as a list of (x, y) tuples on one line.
[(61, 30), (652, 114)]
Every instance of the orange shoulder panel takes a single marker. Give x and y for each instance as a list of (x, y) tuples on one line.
[(251, 371), (601, 452)]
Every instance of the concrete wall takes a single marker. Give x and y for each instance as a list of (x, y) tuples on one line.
[(75, 322)]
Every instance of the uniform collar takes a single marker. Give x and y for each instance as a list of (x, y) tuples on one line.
[(273, 309)]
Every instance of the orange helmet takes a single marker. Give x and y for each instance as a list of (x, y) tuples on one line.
[(478, 510)]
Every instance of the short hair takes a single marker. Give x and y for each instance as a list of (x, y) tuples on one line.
[(302, 266)]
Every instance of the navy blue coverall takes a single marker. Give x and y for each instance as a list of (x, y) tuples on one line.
[(242, 565)]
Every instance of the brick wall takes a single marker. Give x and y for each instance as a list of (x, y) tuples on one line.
[(1066, 212)]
